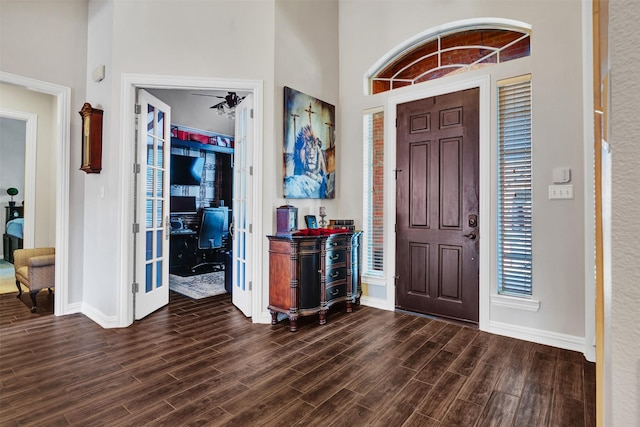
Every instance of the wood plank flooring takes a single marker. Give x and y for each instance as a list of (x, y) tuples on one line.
[(202, 363)]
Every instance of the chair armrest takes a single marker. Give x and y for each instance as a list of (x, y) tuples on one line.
[(21, 256), (42, 260), (42, 272)]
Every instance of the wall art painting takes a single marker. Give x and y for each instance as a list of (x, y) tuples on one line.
[(309, 147)]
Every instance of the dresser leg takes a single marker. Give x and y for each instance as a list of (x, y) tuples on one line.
[(323, 317), (349, 307), (274, 317), (293, 324)]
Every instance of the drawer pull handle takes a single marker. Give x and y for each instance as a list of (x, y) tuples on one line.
[(335, 292), (334, 243), (334, 257), (335, 274)]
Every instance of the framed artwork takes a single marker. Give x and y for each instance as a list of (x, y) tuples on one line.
[(309, 147), (311, 221)]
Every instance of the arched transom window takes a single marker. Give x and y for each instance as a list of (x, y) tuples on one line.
[(452, 50)]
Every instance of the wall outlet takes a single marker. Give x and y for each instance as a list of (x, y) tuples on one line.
[(561, 192)]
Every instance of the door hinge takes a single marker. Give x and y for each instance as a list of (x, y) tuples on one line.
[(135, 288), (251, 113), (250, 228), (251, 170), (137, 109), (136, 168), (250, 285), (396, 122), (136, 228)]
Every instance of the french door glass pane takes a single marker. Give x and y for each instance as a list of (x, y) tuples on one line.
[(149, 245), (148, 277)]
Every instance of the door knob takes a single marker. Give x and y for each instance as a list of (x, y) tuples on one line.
[(471, 236)]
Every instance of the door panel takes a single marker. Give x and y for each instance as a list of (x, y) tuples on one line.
[(152, 208), (242, 193), (437, 190)]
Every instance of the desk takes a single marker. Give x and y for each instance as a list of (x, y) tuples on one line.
[(182, 248)]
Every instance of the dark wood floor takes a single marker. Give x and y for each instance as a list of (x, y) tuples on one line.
[(203, 363)]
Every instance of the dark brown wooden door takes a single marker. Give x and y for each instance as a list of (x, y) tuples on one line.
[(437, 236)]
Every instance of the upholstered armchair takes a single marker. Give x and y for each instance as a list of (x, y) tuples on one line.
[(35, 268)]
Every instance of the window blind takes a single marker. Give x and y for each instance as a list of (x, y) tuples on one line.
[(373, 193), (514, 187)]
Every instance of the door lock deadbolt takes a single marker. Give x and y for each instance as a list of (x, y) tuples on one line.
[(473, 220)]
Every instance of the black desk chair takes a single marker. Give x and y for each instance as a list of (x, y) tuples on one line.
[(212, 238)]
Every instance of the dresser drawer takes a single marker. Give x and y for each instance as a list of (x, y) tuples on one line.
[(336, 241), (335, 256), (336, 274), (338, 291)]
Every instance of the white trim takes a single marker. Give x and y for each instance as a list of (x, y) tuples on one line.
[(486, 169), (62, 143), (98, 316), (589, 182), (515, 303), (374, 280), (31, 138), (129, 84), (377, 303), (554, 339), (489, 22)]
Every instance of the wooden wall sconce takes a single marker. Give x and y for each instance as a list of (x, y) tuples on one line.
[(91, 139)]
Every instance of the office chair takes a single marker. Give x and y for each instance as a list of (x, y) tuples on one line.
[(212, 238)]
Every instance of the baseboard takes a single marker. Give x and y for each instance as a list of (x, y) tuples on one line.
[(99, 317), (376, 303), (554, 339), (74, 308), (264, 318)]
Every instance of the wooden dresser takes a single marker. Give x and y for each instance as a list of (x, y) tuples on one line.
[(308, 274)]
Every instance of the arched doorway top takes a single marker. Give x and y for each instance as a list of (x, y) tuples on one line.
[(449, 48)]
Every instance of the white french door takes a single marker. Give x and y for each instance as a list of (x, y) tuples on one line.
[(242, 192), (152, 205)]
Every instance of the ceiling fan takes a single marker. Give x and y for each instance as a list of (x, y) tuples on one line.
[(227, 107), (230, 100)]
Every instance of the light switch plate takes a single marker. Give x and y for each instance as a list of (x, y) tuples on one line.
[(557, 192)]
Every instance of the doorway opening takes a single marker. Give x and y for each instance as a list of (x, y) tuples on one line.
[(158, 83), (437, 193), (201, 189), (484, 180)]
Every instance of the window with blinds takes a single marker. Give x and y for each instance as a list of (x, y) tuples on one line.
[(514, 187), (373, 193)]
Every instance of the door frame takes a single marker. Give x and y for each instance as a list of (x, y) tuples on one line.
[(486, 225), (62, 132), (129, 86), (31, 133)]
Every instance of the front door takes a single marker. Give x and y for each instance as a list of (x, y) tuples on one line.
[(437, 201), (242, 193), (152, 205)]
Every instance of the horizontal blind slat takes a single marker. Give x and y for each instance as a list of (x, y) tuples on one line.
[(514, 195)]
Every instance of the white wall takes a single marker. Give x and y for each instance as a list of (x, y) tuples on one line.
[(12, 145), (368, 30), (177, 38), (298, 44), (195, 111), (625, 128), (47, 41), (19, 99), (306, 59)]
